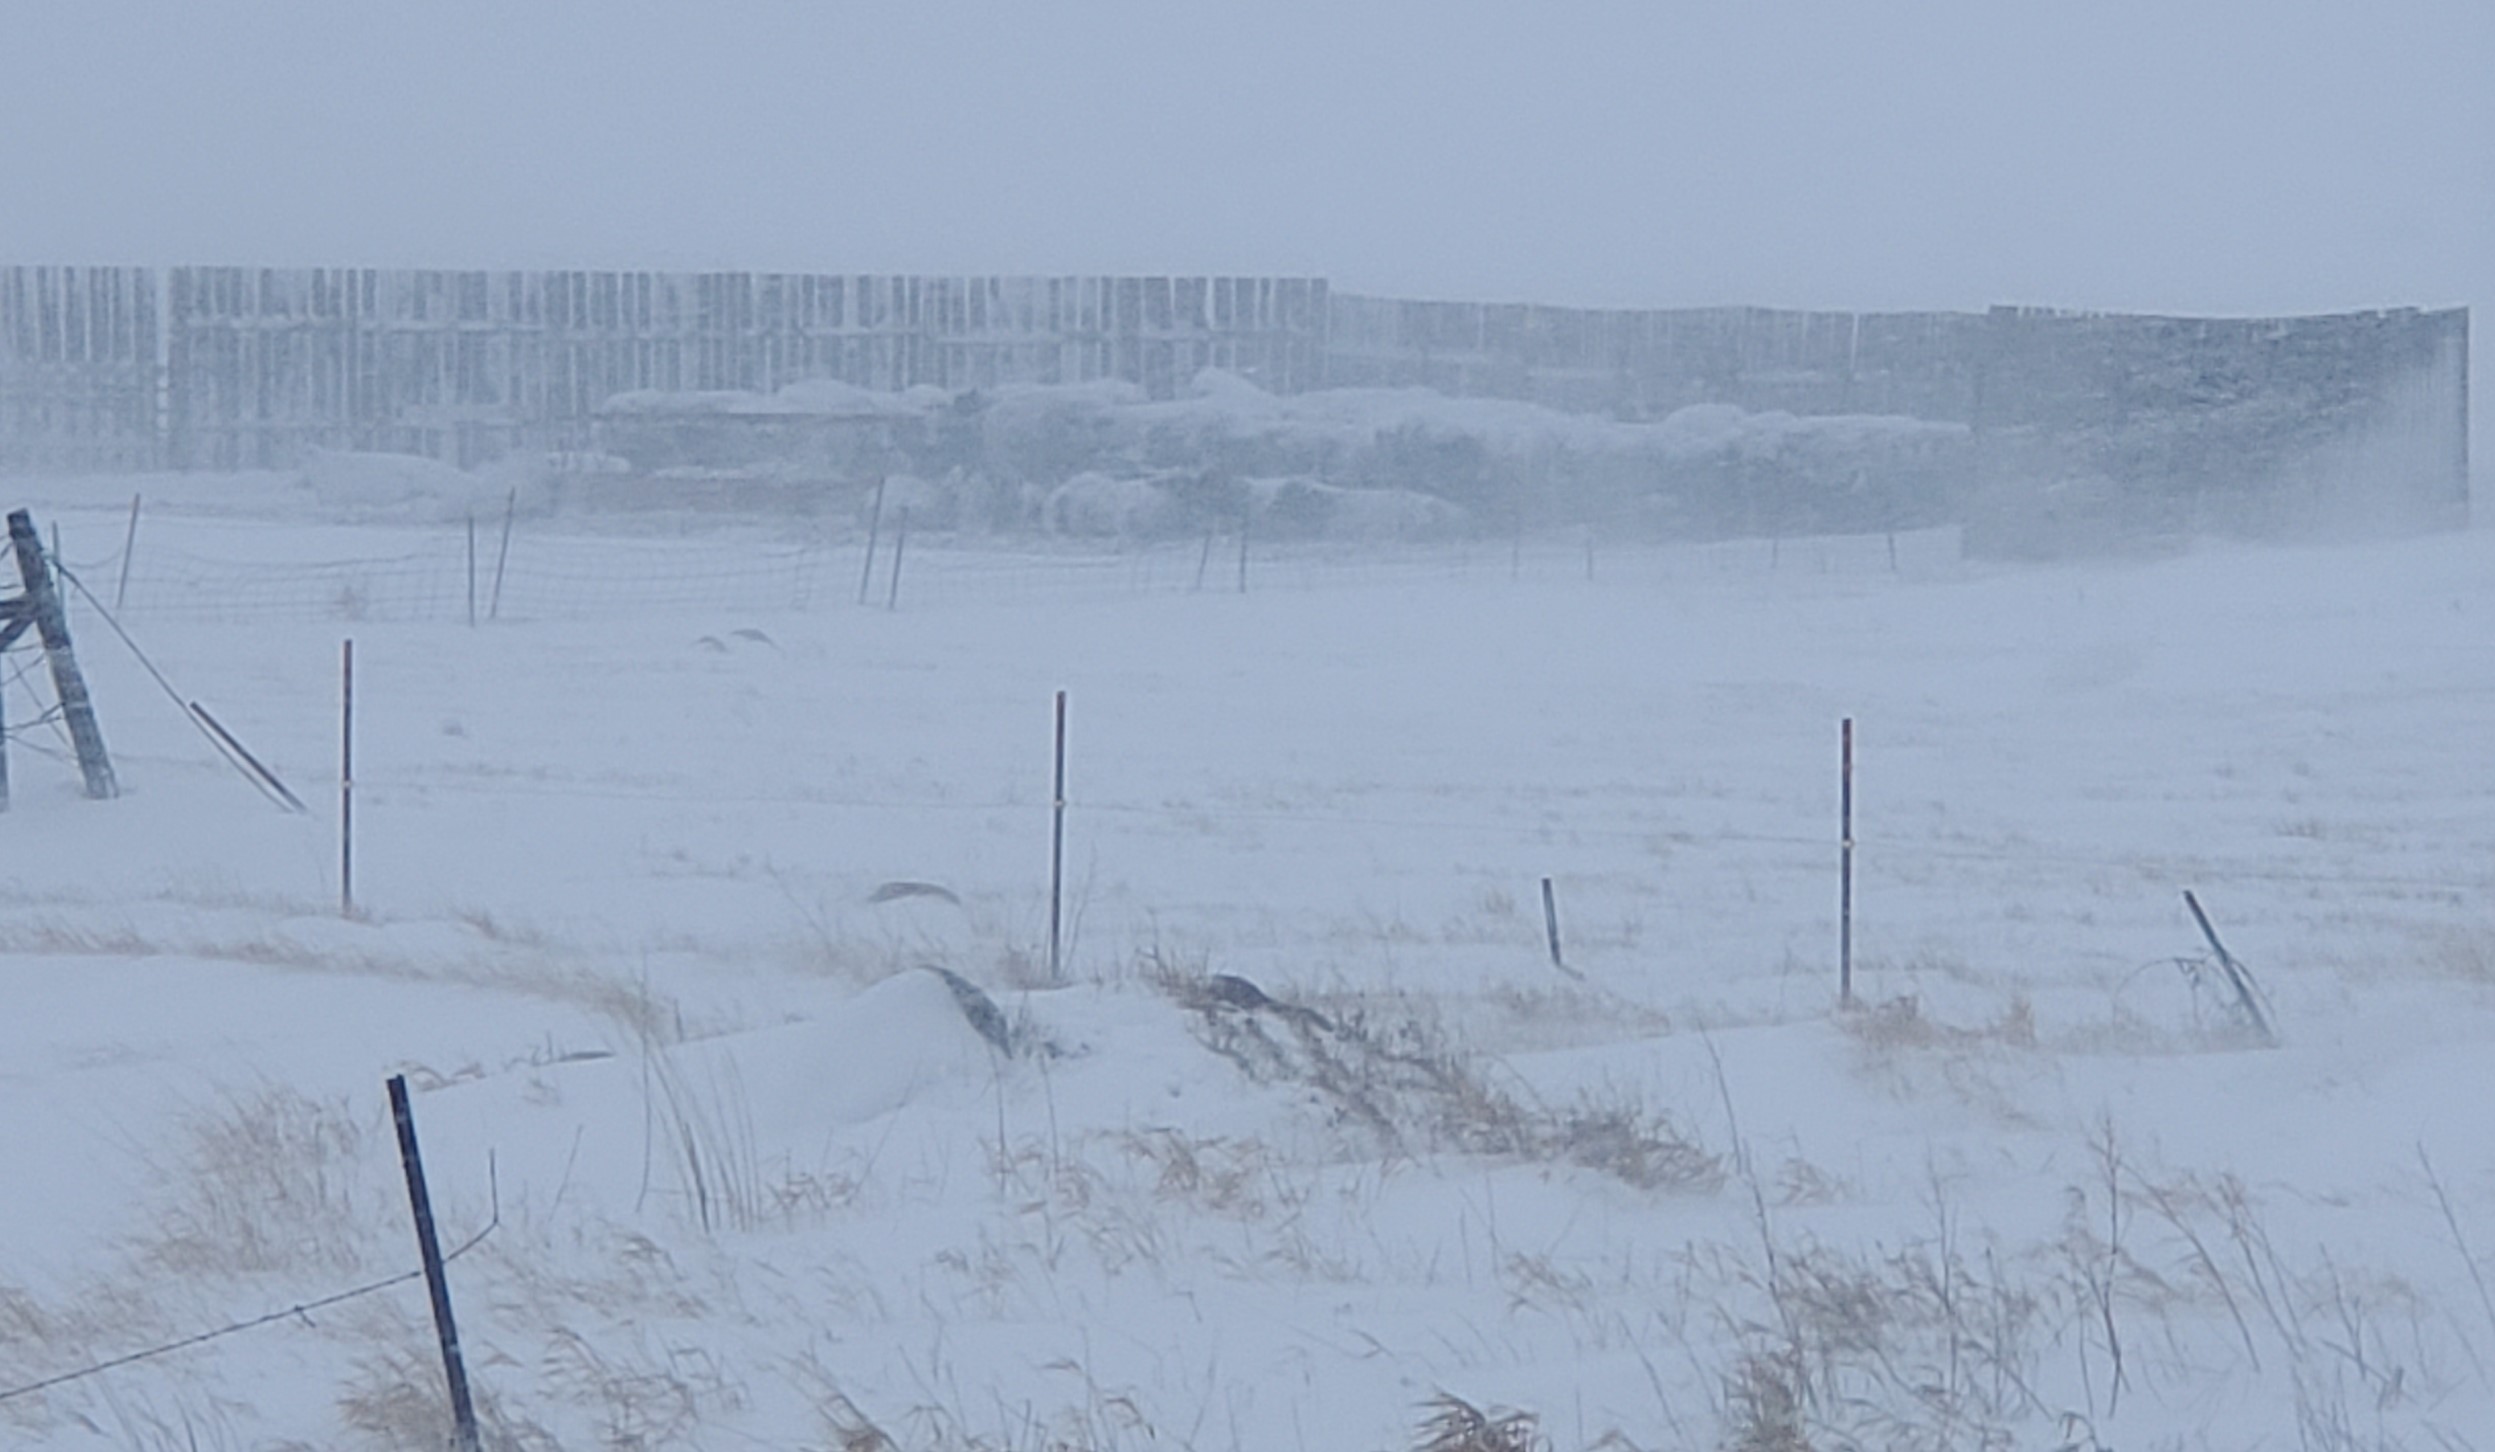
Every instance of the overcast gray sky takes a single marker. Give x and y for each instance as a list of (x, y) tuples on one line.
[(2262, 155)]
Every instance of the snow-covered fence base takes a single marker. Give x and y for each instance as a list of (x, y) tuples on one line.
[(547, 576)]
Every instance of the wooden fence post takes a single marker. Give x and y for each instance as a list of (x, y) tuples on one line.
[(437, 1284), (1550, 923), (41, 603)]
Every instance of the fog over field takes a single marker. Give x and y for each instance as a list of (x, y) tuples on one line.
[(2187, 158), (1085, 917)]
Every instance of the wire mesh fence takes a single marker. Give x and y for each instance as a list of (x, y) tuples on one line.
[(543, 574), (557, 578)]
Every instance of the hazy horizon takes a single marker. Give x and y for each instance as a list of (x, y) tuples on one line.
[(1768, 887), (2198, 158)]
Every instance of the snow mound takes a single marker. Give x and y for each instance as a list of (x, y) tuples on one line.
[(808, 397), (411, 489), (902, 1042), (396, 485), (1095, 504), (1314, 509), (922, 501)]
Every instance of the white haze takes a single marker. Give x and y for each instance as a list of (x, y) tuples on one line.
[(2185, 157), (651, 844)]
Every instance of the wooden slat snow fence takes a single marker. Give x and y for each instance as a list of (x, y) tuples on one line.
[(106, 369), (467, 366), (78, 369)]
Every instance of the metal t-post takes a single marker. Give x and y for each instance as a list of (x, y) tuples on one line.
[(1845, 872), (1057, 853), (429, 1246)]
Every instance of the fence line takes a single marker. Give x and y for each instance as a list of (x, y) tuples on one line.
[(1810, 852), (298, 1312), (546, 579), (561, 576), (558, 577)]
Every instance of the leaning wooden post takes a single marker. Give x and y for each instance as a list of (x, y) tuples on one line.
[(1550, 922), (472, 569), (1057, 852), (1845, 872), (346, 779), (454, 1367), (43, 605), (1243, 552), (900, 539), (129, 544), (874, 522)]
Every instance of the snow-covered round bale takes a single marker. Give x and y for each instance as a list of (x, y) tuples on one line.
[(1098, 506)]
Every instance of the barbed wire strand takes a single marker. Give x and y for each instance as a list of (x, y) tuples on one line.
[(181, 703), (1872, 846), (570, 575), (45, 713), (301, 1310), (583, 568)]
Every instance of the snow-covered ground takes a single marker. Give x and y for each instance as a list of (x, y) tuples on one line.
[(637, 924)]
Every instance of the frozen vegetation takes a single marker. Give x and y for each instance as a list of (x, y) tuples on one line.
[(714, 939)]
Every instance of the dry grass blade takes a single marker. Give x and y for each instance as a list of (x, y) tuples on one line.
[(1456, 1425), (1764, 1398), (851, 1429)]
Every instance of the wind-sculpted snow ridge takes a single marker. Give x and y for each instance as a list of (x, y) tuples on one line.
[(713, 944)]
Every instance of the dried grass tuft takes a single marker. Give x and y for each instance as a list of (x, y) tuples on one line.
[(1900, 1023), (1456, 1425), (264, 1183), (1409, 1087)]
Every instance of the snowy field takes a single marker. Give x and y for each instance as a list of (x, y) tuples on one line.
[(649, 895)]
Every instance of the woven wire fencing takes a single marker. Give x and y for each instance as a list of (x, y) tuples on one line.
[(558, 577), (547, 575)]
